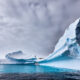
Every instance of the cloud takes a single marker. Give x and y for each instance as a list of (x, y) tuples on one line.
[(34, 26)]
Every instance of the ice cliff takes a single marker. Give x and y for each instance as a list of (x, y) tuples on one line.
[(67, 50)]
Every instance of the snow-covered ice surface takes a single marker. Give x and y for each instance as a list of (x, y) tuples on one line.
[(67, 50), (69, 64)]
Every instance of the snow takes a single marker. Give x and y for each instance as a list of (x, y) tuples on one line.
[(63, 43), (68, 64)]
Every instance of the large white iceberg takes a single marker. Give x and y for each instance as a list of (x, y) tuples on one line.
[(68, 45), (67, 42)]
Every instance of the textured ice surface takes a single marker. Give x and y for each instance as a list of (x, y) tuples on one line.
[(66, 42), (67, 50)]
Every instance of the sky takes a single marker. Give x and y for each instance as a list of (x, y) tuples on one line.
[(34, 26)]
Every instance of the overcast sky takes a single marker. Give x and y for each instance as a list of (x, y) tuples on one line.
[(34, 26)]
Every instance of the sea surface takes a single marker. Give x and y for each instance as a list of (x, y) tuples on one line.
[(19, 68), (36, 72)]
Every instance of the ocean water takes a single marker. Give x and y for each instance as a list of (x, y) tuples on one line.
[(11, 68)]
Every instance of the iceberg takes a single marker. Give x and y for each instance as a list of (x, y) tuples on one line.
[(20, 57), (68, 42), (67, 50), (65, 55)]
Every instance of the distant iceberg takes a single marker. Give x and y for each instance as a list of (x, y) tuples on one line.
[(20, 57)]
